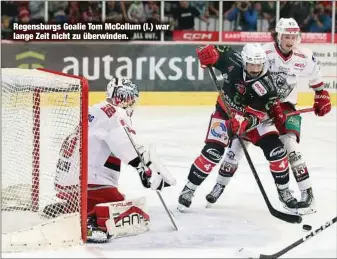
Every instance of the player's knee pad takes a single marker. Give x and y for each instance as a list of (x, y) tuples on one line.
[(213, 152), (210, 156), (296, 161), (276, 154), (123, 218)]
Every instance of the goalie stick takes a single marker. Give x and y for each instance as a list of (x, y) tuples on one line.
[(300, 241), (278, 214), (169, 213)]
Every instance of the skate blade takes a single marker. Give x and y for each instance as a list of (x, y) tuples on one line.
[(182, 208), (292, 211), (306, 211), (97, 240), (209, 205)]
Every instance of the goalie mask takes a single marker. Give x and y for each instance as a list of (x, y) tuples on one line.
[(122, 92)]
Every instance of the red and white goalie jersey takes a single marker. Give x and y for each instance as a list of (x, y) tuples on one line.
[(287, 70), (108, 145)]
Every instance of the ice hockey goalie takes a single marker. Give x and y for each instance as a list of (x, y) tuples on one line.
[(109, 133)]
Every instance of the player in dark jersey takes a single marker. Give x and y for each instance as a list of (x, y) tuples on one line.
[(250, 93)]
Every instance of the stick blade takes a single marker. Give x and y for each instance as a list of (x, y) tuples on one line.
[(290, 218)]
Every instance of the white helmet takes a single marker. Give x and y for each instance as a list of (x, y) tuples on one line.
[(253, 53), (287, 26), (123, 92)]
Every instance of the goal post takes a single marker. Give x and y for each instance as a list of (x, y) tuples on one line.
[(43, 197)]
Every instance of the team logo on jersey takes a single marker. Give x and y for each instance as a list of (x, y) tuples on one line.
[(240, 88), (259, 88), (218, 130), (230, 68)]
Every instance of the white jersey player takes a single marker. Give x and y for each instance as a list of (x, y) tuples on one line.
[(287, 62), (109, 144)]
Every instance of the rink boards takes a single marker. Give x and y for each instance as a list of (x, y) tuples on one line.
[(195, 98)]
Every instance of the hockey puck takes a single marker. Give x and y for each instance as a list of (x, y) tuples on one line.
[(307, 227)]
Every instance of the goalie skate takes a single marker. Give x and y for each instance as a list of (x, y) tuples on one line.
[(94, 233)]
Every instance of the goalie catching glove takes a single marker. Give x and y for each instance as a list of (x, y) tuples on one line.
[(151, 171)]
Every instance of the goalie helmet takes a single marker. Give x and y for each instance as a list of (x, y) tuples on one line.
[(122, 92)]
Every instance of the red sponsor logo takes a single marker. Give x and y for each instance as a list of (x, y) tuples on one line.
[(259, 89), (195, 35), (299, 65), (237, 36), (198, 36), (299, 55)]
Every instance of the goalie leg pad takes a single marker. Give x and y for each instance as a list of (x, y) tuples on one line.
[(101, 194), (124, 218)]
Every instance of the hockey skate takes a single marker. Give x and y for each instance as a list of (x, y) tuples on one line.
[(185, 198), (214, 195), (94, 233), (288, 200), (307, 203)]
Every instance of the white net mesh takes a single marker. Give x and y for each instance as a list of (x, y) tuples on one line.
[(41, 141)]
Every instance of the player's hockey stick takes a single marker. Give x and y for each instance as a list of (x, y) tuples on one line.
[(300, 241), (278, 214), (169, 213), (270, 120)]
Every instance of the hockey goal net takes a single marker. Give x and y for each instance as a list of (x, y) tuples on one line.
[(41, 109)]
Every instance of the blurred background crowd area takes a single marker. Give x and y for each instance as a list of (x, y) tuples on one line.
[(312, 16)]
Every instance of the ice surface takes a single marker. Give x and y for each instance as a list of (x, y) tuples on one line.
[(240, 218)]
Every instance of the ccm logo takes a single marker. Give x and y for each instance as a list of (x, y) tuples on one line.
[(197, 36)]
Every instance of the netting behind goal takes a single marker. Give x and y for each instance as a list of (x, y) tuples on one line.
[(44, 118)]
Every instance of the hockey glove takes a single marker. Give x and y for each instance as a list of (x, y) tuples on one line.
[(208, 55), (237, 125), (153, 174), (144, 174), (279, 116), (322, 103)]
